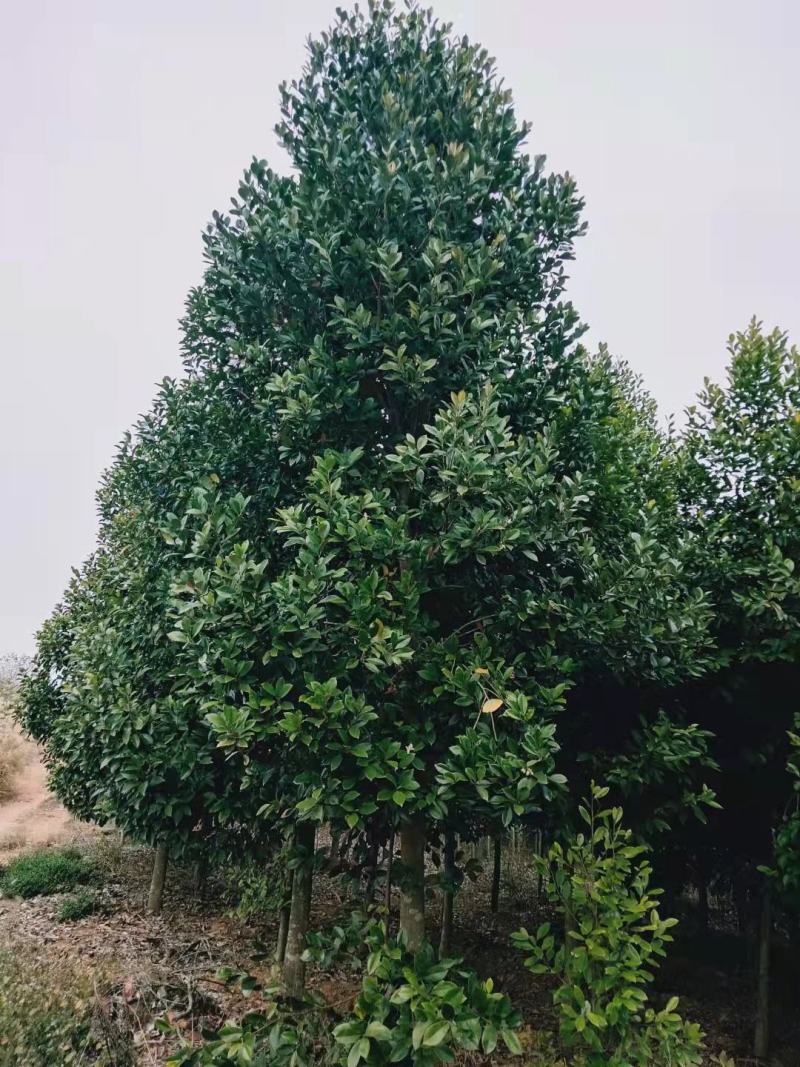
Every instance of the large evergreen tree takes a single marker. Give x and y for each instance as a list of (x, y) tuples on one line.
[(398, 515)]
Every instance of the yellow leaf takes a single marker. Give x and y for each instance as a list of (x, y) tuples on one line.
[(479, 670), (491, 706)]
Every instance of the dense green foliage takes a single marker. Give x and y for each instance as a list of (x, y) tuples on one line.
[(417, 1010), (390, 494)]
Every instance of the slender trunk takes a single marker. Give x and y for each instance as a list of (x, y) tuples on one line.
[(387, 889), (283, 932), (372, 871), (702, 900), (156, 896), (498, 845), (200, 876), (294, 968), (446, 933), (761, 1044), (333, 850), (283, 918), (412, 898), (740, 904)]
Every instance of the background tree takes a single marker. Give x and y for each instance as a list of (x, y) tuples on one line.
[(740, 479)]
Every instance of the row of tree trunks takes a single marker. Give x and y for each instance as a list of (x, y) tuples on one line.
[(294, 917)]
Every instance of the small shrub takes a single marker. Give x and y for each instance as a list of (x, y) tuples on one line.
[(344, 945), (416, 1010), (78, 906), (272, 1037), (109, 852), (47, 871), (259, 889), (613, 939)]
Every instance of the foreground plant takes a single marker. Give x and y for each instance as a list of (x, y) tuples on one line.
[(272, 1037), (412, 1010), (415, 1010), (48, 1014), (613, 937)]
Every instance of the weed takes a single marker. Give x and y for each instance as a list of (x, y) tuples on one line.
[(78, 906), (46, 871)]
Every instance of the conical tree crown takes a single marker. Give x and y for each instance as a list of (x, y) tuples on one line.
[(416, 249)]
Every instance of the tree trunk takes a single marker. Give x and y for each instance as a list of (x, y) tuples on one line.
[(498, 845), (156, 896), (446, 932), (283, 931), (387, 889), (702, 900), (283, 918), (333, 850), (294, 969), (372, 871), (412, 898), (200, 876), (761, 1044), (538, 848)]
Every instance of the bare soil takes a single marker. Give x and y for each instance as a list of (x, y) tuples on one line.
[(33, 817)]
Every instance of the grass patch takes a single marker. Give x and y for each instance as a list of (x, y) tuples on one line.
[(78, 906), (47, 871)]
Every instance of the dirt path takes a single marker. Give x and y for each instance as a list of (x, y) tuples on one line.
[(33, 816)]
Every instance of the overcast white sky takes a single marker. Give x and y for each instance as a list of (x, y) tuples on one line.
[(123, 123)]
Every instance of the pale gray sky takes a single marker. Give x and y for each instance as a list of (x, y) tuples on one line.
[(123, 123)]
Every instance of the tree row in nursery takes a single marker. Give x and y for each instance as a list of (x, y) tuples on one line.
[(399, 557)]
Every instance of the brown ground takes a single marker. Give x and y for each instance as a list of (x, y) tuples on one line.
[(33, 817)]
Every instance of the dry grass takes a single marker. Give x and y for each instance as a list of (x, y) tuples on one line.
[(12, 841), (15, 752)]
